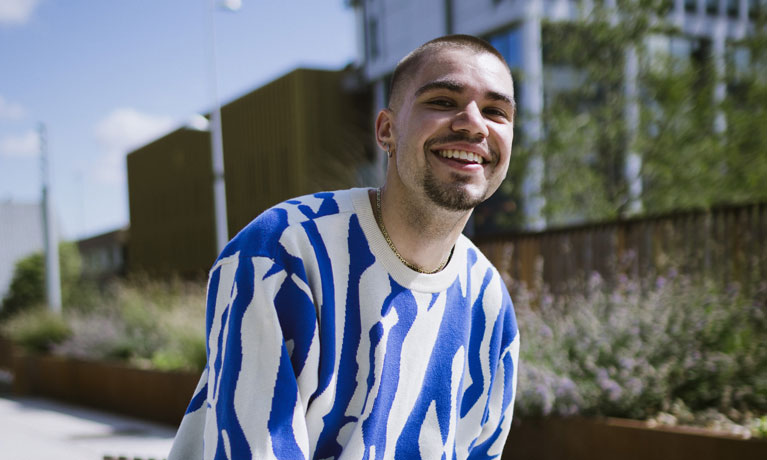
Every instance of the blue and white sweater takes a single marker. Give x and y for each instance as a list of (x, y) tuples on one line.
[(322, 344)]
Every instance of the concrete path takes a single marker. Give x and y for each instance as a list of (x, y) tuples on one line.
[(40, 429)]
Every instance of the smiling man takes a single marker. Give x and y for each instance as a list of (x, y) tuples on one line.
[(361, 324)]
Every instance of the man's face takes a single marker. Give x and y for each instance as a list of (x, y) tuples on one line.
[(453, 128)]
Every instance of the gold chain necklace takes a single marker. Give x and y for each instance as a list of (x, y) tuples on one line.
[(379, 221)]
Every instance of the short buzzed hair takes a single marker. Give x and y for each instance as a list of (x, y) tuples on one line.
[(410, 63)]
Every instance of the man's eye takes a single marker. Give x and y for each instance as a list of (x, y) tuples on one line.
[(493, 112), (441, 102)]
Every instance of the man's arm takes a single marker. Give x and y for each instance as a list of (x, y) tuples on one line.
[(248, 403), (489, 444)]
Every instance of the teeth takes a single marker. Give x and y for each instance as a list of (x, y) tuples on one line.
[(462, 155)]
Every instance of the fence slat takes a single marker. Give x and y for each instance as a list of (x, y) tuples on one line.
[(728, 244)]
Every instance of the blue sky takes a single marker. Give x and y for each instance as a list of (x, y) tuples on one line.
[(106, 76)]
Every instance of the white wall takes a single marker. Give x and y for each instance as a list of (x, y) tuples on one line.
[(21, 234)]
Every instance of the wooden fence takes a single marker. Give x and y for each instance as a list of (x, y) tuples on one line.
[(726, 243)]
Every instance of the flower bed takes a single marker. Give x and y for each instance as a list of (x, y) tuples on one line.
[(675, 349)]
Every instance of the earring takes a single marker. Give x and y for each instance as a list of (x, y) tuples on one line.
[(388, 151)]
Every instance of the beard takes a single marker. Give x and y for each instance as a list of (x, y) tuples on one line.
[(453, 195), (456, 194)]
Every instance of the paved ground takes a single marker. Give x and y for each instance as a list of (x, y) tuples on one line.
[(40, 429)]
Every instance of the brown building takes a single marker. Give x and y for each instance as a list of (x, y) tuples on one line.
[(104, 255), (304, 132)]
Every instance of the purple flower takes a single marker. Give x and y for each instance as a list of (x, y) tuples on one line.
[(660, 282)]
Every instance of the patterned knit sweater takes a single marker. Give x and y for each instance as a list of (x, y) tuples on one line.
[(322, 344)]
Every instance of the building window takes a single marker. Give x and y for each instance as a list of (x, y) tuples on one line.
[(732, 8), (691, 6), (712, 7), (509, 44), (666, 50)]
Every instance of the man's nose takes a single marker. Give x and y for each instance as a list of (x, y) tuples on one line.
[(471, 121)]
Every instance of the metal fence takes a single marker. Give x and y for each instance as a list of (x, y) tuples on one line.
[(727, 243)]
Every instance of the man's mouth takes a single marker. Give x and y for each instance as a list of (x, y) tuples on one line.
[(461, 155)]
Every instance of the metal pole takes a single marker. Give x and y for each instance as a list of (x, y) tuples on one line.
[(633, 165), (50, 240), (532, 109), (217, 142)]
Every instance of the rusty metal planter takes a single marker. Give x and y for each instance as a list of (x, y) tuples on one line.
[(163, 397), (148, 394), (609, 439)]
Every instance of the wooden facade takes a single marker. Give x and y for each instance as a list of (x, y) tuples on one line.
[(171, 205), (307, 131)]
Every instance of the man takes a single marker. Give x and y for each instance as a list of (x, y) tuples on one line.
[(361, 324)]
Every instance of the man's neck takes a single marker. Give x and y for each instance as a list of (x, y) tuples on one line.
[(424, 234)]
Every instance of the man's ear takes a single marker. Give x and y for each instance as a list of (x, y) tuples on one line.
[(385, 129)]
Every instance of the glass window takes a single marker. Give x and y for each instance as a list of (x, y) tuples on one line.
[(712, 6), (732, 8), (690, 5), (739, 61), (509, 44), (665, 49)]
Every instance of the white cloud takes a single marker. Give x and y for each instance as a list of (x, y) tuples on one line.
[(17, 11), (10, 110), (121, 131), (22, 145)]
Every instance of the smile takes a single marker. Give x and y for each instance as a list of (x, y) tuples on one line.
[(461, 155)]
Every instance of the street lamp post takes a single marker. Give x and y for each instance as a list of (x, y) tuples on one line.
[(50, 237), (216, 132)]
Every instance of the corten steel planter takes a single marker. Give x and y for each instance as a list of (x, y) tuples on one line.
[(619, 439), (148, 394), (163, 397), (6, 352)]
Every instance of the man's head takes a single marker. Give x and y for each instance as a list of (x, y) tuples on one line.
[(409, 64), (449, 124)]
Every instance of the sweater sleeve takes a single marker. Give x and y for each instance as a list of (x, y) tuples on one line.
[(490, 443), (250, 403)]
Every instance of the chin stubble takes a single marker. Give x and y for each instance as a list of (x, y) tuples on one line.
[(452, 195)]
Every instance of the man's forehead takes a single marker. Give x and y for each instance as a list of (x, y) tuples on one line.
[(459, 66)]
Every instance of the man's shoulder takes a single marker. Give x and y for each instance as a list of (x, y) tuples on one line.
[(262, 235)]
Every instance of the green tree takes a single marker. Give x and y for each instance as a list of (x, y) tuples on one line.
[(686, 163), (27, 288)]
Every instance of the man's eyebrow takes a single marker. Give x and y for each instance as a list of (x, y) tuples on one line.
[(449, 85), (496, 96), (456, 87)]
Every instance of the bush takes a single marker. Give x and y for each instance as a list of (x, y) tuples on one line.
[(147, 323), (150, 324), (37, 329), (27, 288), (634, 352)]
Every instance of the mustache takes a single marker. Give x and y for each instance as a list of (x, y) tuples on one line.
[(459, 137)]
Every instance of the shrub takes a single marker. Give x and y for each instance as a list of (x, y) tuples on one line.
[(147, 323), (633, 352), (27, 288), (37, 329)]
